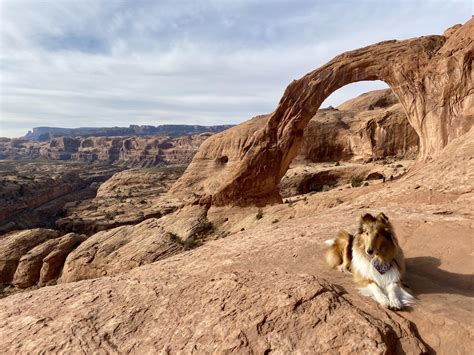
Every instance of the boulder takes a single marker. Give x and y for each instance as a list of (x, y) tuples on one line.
[(15, 245), (43, 263), (119, 249)]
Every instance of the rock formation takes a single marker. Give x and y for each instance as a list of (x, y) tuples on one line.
[(136, 151), (371, 126), (430, 75), (43, 263), (129, 151), (15, 245), (129, 197)]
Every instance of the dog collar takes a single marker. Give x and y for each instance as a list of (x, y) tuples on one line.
[(382, 268)]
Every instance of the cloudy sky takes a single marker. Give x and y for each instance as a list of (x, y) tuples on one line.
[(72, 63)]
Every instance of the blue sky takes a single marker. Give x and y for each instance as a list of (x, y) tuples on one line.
[(72, 63)]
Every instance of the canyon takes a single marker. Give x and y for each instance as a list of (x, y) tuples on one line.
[(215, 260)]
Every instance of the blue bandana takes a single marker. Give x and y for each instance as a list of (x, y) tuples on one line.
[(382, 268)]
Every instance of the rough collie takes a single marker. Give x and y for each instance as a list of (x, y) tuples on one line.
[(375, 260)]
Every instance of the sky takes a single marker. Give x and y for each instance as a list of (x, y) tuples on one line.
[(86, 63)]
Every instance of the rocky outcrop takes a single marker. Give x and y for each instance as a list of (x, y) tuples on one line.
[(15, 245), (44, 263), (430, 75), (119, 249), (18, 149)]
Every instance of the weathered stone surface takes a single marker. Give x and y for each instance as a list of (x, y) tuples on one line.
[(240, 311), (43, 263), (119, 249), (16, 244), (431, 76)]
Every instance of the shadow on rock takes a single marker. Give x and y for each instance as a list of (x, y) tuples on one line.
[(424, 276)]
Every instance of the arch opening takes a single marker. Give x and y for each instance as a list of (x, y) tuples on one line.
[(357, 134)]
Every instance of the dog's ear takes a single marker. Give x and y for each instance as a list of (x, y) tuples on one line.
[(382, 217), (367, 218), (364, 220)]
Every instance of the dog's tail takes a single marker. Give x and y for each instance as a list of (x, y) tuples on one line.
[(405, 297), (330, 242), (337, 246)]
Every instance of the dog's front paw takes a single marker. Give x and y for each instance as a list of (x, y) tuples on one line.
[(344, 269), (384, 301), (395, 304)]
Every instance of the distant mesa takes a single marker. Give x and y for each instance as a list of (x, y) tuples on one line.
[(47, 133)]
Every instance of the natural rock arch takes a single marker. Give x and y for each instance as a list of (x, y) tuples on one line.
[(431, 75)]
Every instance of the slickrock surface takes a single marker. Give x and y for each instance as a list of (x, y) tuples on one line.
[(431, 76), (210, 311), (266, 285)]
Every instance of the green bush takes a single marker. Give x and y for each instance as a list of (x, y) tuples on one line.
[(357, 181)]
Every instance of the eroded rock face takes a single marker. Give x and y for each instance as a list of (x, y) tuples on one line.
[(370, 126), (15, 245), (135, 151), (119, 249), (44, 263), (131, 151), (430, 75)]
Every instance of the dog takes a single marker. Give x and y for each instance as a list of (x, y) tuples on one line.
[(375, 259)]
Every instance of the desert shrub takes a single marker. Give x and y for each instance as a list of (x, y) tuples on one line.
[(187, 244), (356, 181), (191, 243), (174, 238), (259, 214), (412, 152)]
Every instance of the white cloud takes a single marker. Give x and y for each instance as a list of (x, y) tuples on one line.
[(115, 62)]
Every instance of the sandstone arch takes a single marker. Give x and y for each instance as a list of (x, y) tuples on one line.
[(431, 75)]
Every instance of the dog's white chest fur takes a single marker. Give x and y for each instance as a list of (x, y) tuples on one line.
[(365, 268), (386, 288)]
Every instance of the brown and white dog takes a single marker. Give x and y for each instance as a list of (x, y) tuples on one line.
[(375, 259)]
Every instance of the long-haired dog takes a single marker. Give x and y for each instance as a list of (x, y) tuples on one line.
[(375, 259)]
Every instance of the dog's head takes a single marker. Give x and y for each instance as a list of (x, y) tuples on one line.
[(376, 237)]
